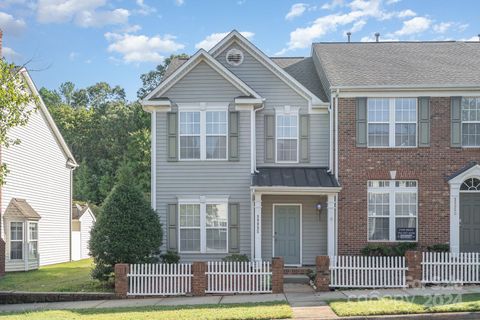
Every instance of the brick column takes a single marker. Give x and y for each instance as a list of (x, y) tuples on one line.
[(322, 280), (199, 279), (414, 272), (121, 280), (277, 275)]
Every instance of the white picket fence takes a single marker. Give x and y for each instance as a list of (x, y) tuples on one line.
[(367, 272), (159, 279), (239, 277), (445, 267)]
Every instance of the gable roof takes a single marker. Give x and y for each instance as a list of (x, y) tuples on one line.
[(79, 210), (267, 62), (175, 75), (400, 64), (467, 167), (71, 162), (20, 208)]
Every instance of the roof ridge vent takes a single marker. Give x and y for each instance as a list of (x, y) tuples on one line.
[(377, 36), (349, 35)]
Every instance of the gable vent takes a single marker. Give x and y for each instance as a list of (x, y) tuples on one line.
[(234, 57)]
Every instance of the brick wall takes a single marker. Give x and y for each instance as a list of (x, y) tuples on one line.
[(429, 166)]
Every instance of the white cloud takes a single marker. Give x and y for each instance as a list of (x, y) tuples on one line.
[(144, 9), (332, 5), (85, 13), (414, 26), (241, 2), (357, 26), (10, 54), (296, 11), (141, 48), (372, 39), (10, 25), (442, 27), (392, 1), (131, 29), (474, 38), (212, 39), (406, 13), (179, 2), (73, 56)]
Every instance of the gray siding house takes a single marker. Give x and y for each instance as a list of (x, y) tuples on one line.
[(241, 154)]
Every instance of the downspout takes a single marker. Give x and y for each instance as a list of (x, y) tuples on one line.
[(336, 133), (253, 143), (330, 158)]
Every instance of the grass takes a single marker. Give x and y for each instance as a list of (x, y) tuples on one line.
[(63, 277), (272, 310), (408, 305)]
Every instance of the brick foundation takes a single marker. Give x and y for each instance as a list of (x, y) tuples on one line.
[(429, 166), (121, 280), (199, 280), (277, 275), (414, 272), (322, 280)]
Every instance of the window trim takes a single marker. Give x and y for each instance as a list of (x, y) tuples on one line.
[(392, 190), (30, 240), (467, 121), (203, 201), (391, 124), (203, 109), (22, 241), (287, 111)]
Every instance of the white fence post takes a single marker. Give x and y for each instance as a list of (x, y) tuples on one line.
[(451, 268)]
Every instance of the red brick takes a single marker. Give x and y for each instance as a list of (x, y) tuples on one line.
[(121, 280), (322, 279), (277, 274), (199, 279)]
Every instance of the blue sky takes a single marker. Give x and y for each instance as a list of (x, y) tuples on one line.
[(86, 41)]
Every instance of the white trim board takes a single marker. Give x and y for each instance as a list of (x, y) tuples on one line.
[(274, 205)]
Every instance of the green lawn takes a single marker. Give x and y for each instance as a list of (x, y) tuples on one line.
[(274, 310), (62, 277), (407, 305)]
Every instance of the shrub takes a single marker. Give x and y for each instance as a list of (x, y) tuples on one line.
[(236, 258), (439, 247), (126, 231), (170, 257), (388, 250)]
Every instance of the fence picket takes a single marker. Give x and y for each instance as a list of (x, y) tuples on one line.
[(451, 268)]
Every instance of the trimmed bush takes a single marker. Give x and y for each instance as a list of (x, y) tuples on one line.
[(170, 257), (126, 231), (439, 247), (236, 258), (388, 250)]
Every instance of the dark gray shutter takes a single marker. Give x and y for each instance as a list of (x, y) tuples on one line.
[(269, 138), (172, 136), (233, 136), (424, 122), (172, 228), (304, 133), (361, 122), (456, 122), (234, 228)]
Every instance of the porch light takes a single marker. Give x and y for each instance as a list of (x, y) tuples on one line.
[(318, 206)]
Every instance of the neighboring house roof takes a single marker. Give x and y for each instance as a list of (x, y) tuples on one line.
[(20, 208), (51, 123), (400, 64), (300, 68), (469, 166), (78, 211), (293, 177)]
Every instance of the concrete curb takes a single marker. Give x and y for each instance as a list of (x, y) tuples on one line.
[(14, 297)]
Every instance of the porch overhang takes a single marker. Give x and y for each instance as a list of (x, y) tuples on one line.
[(284, 190)]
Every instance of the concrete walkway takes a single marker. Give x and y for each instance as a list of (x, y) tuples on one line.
[(306, 303)]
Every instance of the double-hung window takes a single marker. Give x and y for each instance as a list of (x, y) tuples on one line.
[(471, 122), (33, 240), (203, 226), (203, 133), (287, 136), (392, 210), (392, 122), (16, 240)]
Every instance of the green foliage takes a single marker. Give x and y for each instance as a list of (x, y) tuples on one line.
[(126, 231), (170, 257), (439, 247), (17, 102), (236, 258), (381, 249)]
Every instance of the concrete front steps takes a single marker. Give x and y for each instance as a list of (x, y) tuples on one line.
[(297, 275)]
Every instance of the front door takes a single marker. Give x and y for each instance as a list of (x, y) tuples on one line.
[(470, 222), (287, 233)]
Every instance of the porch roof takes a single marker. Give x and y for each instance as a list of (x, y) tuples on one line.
[(294, 177)]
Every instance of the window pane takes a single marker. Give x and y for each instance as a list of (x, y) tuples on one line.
[(190, 147), (189, 215), (378, 229), (378, 204), (378, 110), (405, 204), (287, 126), (470, 109), (405, 110), (33, 249), (189, 239), (405, 134), (217, 215), (190, 122), (287, 150), (471, 134), (216, 240), (16, 250), (16, 231), (378, 135), (216, 147), (216, 122), (33, 229)]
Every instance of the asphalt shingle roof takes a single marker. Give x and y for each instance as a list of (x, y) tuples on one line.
[(293, 177), (20, 208), (416, 64)]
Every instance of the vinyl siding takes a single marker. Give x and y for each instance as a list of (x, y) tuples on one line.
[(278, 94), (314, 226), (38, 173), (204, 178), (86, 225)]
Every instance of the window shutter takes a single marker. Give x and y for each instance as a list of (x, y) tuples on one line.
[(361, 122), (234, 228), (172, 228), (269, 138), (233, 136), (172, 136), (304, 133), (456, 122), (424, 122)]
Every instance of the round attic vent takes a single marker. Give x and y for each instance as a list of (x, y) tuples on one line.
[(234, 57)]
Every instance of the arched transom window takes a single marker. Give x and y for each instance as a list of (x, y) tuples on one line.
[(471, 184)]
